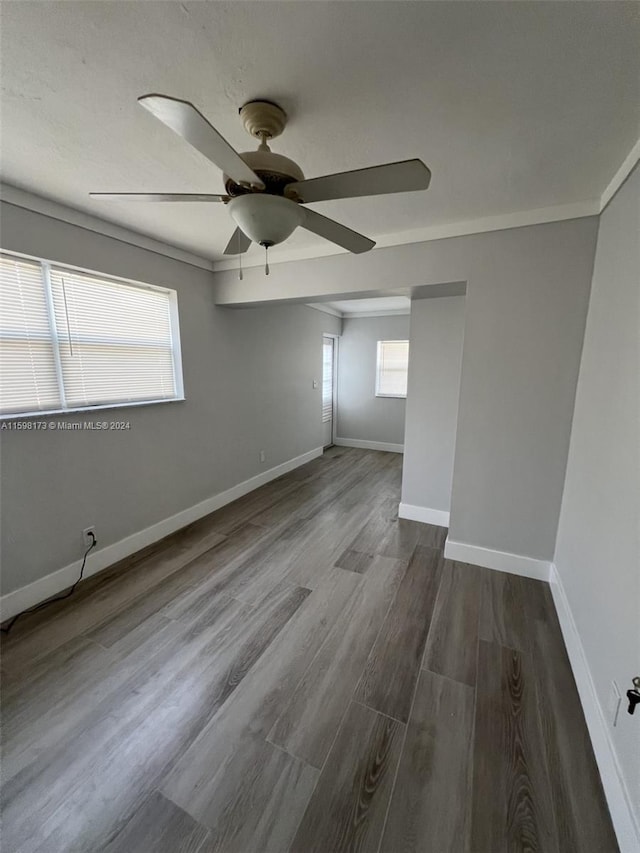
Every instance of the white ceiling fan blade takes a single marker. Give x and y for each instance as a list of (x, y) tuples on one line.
[(238, 244), (158, 197), (336, 233), (406, 176), (185, 120)]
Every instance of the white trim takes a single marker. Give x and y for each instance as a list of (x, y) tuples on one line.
[(326, 309), (501, 561), (55, 210), (557, 213), (354, 315), (615, 789), (620, 176), (424, 514), (20, 599), (369, 445)]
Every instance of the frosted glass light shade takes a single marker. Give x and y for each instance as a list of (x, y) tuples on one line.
[(266, 219)]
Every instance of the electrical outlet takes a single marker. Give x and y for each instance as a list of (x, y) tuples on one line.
[(87, 537), (614, 704), (262, 456)]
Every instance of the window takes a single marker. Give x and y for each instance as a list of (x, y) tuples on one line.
[(392, 366), (71, 340), (327, 379)]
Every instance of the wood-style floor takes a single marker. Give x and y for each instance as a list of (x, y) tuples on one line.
[(299, 671)]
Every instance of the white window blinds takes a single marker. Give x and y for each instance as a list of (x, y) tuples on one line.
[(27, 364), (71, 339), (327, 379), (392, 367)]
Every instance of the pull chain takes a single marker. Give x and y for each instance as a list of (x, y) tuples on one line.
[(266, 260), (239, 258)]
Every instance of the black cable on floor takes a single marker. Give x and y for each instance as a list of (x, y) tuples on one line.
[(49, 601)]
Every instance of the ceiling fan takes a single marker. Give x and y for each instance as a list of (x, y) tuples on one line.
[(265, 191)]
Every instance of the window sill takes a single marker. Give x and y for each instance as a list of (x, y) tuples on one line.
[(106, 407), (392, 396)]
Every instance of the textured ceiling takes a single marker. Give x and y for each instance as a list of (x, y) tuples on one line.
[(513, 106)]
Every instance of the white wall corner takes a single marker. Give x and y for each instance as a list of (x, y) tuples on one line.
[(424, 514), (53, 583), (501, 561), (369, 445), (615, 789)]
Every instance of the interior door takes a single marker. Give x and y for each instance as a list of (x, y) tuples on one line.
[(328, 389)]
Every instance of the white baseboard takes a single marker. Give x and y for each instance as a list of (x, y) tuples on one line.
[(369, 445), (502, 561), (424, 514), (25, 597), (615, 789)]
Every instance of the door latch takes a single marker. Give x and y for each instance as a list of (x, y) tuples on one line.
[(634, 695)]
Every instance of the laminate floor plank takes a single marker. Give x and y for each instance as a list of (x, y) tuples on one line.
[(211, 693), (354, 561), (37, 735), (386, 534), (134, 737), (159, 826), (502, 611), (257, 800), (512, 808), (430, 807), (392, 669), (324, 540), (263, 695), (582, 817), (329, 681), (348, 807), (452, 645), (79, 615)]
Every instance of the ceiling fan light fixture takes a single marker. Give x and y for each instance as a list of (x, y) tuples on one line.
[(266, 219)]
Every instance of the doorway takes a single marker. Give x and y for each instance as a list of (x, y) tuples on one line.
[(329, 356)]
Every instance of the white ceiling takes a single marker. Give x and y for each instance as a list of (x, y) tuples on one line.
[(513, 106), (378, 305)]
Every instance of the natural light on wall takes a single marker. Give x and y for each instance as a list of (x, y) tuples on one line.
[(71, 340), (391, 369)]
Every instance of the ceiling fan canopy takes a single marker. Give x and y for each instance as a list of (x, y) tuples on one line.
[(265, 191)]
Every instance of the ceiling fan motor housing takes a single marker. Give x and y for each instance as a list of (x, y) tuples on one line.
[(265, 120), (274, 170)]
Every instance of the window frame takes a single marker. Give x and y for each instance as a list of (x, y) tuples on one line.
[(379, 347), (46, 265)]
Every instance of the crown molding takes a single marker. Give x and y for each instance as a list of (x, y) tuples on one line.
[(538, 216), (326, 309), (21, 198), (356, 315), (520, 219), (620, 176)]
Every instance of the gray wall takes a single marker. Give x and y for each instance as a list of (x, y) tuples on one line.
[(362, 415), (437, 330), (248, 382), (598, 549), (527, 296)]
